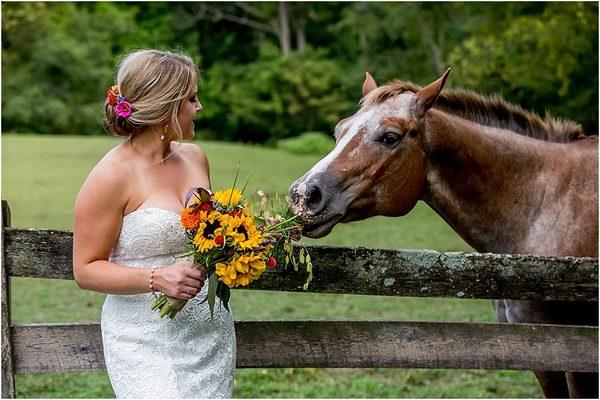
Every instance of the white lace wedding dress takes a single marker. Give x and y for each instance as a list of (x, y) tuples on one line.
[(149, 357)]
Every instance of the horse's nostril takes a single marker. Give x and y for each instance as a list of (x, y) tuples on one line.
[(307, 197), (314, 198)]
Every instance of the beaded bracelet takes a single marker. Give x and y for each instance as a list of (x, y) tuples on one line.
[(151, 281)]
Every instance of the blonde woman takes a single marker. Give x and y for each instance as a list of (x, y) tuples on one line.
[(126, 232)]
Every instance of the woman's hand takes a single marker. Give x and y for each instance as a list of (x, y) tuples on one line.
[(180, 280)]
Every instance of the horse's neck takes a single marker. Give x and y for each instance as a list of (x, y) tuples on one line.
[(489, 185)]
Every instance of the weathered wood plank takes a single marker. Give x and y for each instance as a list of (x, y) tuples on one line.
[(344, 344), (39, 253), (58, 347), (8, 379), (419, 273), (427, 273), (417, 345)]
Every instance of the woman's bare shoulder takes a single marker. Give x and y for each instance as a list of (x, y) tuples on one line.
[(114, 166), (195, 154), (192, 149), (118, 155), (196, 158), (108, 180)]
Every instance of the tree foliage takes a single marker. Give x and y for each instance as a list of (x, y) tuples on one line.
[(546, 61), (274, 97), (274, 70)]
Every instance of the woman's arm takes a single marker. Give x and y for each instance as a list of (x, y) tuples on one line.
[(97, 222)]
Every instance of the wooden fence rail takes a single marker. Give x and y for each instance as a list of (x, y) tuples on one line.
[(341, 344), (49, 347), (415, 273)]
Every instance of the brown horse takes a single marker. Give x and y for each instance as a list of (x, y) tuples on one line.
[(506, 180)]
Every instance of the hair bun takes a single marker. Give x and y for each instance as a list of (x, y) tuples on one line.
[(150, 87)]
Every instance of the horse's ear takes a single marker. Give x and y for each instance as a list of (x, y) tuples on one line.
[(369, 84), (429, 94)]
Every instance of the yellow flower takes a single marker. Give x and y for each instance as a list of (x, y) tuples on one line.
[(210, 216), (222, 271), (209, 227), (243, 231), (242, 270), (254, 260), (203, 243), (229, 197), (255, 263)]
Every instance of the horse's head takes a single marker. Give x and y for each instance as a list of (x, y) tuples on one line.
[(377, 166)]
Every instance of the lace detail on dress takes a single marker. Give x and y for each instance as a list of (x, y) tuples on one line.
[(149, 357), (149, 232)]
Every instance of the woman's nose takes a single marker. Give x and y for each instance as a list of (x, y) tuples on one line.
[(199, 107)]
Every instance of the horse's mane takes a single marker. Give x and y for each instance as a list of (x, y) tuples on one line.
[(487, 110)]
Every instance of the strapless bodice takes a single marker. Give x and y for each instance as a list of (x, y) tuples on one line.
[(148, 233)]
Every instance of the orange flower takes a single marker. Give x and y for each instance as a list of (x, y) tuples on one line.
[(113, 95), (190, 218)]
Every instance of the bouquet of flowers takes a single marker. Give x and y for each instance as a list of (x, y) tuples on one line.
[(233, 242)]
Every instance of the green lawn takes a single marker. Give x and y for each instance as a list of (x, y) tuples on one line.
[(40, 179)]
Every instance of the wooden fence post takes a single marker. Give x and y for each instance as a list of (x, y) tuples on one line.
[(8, 376)]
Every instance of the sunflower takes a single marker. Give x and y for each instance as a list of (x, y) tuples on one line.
[(243, 231), (256, 262), (227, 218), (229, 197), (227, 273), (209, 228), (242, 270)]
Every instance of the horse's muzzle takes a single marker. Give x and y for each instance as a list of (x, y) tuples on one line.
[(312, 202)]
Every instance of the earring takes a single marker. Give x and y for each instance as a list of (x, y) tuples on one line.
[(163, 137)]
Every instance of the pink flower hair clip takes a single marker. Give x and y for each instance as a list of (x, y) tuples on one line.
[(123, 108)]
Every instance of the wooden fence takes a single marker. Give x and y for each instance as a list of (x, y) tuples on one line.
[(52, 347)]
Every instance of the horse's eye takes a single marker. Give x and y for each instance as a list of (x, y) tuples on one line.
[(390, 139)]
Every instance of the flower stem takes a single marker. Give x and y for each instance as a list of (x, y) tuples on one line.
[(234, 182), (287, 220), (191, 253)]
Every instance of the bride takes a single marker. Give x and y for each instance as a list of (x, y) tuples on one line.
[(126, 232)]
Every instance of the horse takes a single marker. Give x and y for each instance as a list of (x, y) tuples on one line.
[(505, 179)]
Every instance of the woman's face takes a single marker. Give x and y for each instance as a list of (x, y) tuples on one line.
[(187, 114)]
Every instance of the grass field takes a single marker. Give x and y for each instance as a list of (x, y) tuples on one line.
[(40, 179)]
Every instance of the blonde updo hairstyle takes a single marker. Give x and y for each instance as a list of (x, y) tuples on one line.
[(155, 83)]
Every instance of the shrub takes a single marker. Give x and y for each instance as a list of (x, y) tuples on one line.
[(308, 143), (274, 97)]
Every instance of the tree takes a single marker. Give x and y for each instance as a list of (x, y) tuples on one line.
[(56, 64), (544, 61), (274, 97), (276, 69)]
